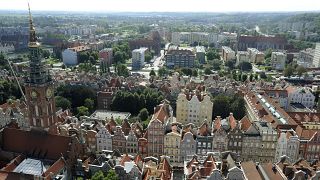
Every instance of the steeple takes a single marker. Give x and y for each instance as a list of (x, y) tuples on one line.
[(33, 38)]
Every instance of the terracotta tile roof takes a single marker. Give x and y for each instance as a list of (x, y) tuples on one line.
[(161, 112), (165, 166), (124, 158), (274, 175), (245, 123), (13, 164), (217, 123), (307, 134), (125, 127), (204, 129), (55, 168), (232, 121), (250, 171), (35, 143)]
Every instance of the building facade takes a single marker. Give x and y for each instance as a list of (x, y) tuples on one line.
[(278, 60), (180, 59), (172, 146), (138, 58), (104, 139), (192, 108), (228, 54), (316, 58)]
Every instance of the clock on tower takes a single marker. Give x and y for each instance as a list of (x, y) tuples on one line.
[(39, 87)]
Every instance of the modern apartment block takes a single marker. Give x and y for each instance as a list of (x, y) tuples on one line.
[(180, 58), (138, 58), (228, 53), (255, 55), (316, 58), (278, 60), (201, 54)]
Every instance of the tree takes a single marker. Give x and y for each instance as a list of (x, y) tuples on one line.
[(244, 77), (152, 73), (207, 71), (143, 114), (187, 71), (89, 103), (92, 60), (112, 175), (82, 111), (46, 53), (245, 66), (162, 71), (238, 107), (8, 89), (301, 70), (148, 56), (288, 71), (230, 64), (98, 176), (119, 57), (216, 64), (263, 75), (122, 70), (212, 54), (221, 106), (251, 77), (83, 57), (195, 73), (62, 102), (268, 53)]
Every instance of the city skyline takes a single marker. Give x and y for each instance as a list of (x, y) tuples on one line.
[(163, 5)]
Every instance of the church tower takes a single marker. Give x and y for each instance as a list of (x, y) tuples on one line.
[(39, 89)]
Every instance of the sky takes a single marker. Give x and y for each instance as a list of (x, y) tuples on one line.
[(163, 5)]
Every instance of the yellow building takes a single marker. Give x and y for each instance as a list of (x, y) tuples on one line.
[(172, 146), (193, 108)]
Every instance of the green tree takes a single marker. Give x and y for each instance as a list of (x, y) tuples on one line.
[(62, 102), (162, 71), (187, 71), (148, 56), (288, 71), (301, 70), (98, 176), (251, 77), (245, 66), (83, 57), (152, 73), (230, 64), (213, 54), (238, 107), (268, 53), (89, 103), (221, 106), (112, 175), (207, 71), (122, 70), (82, 111), (244, 77), (216, 64), (143, 114), (195, 72), (119, 57), (263, 75)]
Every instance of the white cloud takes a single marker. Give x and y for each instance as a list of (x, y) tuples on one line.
[(164, 5)]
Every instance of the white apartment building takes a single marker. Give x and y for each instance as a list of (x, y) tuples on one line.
[(228, 53), (255, 55), (278, 60), (242, 56), (70, 55), (287, 145), (302, 95), (316, 58), (192, 108), (138, 58), (104, 139)]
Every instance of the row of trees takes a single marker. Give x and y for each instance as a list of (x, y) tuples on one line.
[(8, 90), (292, 69), (79, 99), (223, 105), (133, 102)]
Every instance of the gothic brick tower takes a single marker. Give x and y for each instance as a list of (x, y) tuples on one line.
[(39, 87)]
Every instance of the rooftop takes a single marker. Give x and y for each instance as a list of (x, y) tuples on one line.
[(31, 166), (105, 114)]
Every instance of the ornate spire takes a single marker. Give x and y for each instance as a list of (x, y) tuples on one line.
[(33, 38)]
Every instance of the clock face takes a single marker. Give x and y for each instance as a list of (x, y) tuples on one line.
[(49, 93), (34, 94)]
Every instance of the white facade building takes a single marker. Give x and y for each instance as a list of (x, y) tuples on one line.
[(104, 139), (70, 55), (138, 58), (302, 95), (316, 58), (278, 60), (242, 56)]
